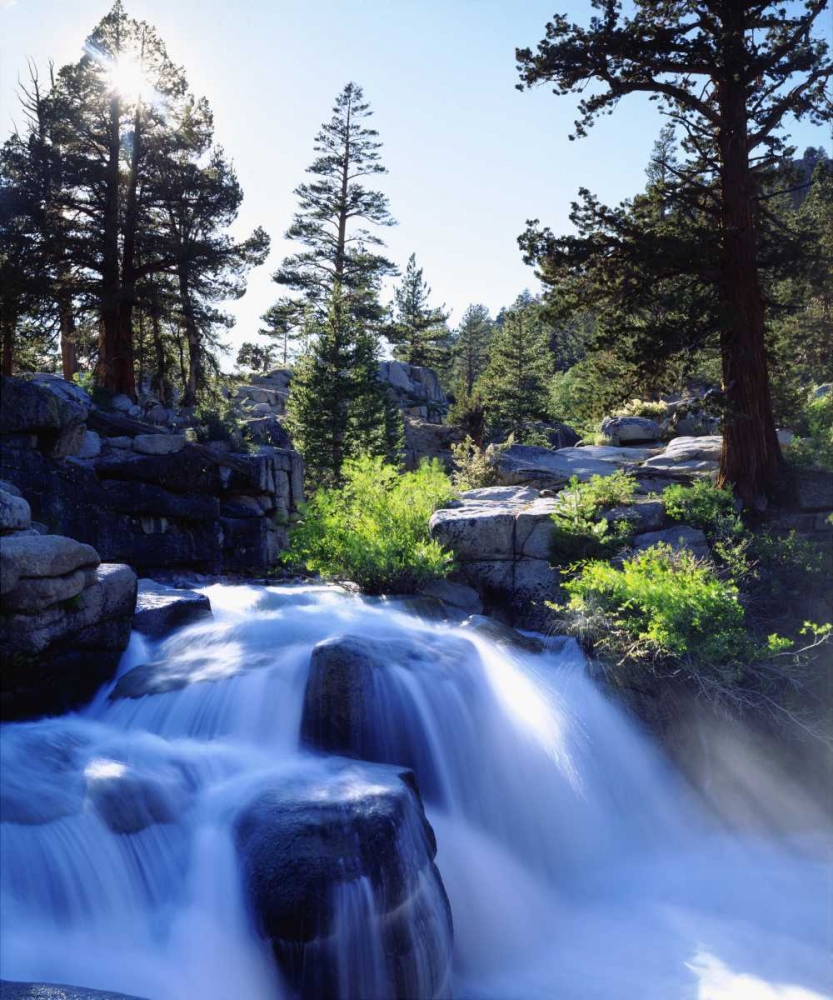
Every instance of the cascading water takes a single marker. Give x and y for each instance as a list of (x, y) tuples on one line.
[(577, 864)]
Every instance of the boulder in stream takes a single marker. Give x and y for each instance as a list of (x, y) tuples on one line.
[(338, 867), (354, 703), (160, 609)]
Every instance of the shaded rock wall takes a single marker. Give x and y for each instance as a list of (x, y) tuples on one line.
[(140, 495), (65, 617)]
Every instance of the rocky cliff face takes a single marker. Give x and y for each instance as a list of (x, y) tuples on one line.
[(65, 617), (138, 493)]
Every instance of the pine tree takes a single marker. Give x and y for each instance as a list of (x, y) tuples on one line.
[(515, 383), (334, 210), (198, 197), (471, 348), (338, 407), (256, 357), (729, 74), (110, 109), (290, 323), (418, 332), (124, 202)]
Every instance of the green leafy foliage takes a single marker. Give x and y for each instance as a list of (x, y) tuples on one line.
[(650, 409), (217, 421), (579, 531), (373, 530), (816, 450), (660, 607), (704, 506), (476, 467)]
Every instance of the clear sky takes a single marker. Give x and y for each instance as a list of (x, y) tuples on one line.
[(470, 158)]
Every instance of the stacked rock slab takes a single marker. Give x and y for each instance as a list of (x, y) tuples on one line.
[(501, 537), (261, 405), (417, 392), (139, 494), (65, 617)]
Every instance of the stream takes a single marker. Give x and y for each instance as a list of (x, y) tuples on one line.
[(578, 864)]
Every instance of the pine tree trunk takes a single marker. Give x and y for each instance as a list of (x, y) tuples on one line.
[(158, 382), (69, 353), (194, 342), (751, 458), (115, 366), (127, 296)]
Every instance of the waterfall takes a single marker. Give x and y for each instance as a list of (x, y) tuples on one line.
[(577, 863)]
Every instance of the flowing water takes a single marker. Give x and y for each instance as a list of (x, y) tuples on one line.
[(578, 864)]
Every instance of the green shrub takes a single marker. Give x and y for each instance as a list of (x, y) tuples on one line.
[(790, 552), (816, 449), (643, 408), (704, 506), (373, 531), (476, 467), (579, 531), (661, 608), (217, 421)]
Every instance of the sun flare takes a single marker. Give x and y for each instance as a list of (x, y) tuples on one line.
[(126, 78)]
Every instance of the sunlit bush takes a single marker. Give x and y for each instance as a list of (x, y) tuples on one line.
[(704, 506), (373, 531), (660, 607), (579, 532)]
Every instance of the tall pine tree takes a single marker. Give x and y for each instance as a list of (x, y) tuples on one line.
[(335, 209), (338, 406), (730, 74)]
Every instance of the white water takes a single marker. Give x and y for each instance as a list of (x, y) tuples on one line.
[(577, 864)]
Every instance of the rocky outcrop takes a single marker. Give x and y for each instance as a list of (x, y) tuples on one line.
[(456, 596), (426, 439), (688, 454), (65, 618), (140, 494), (417, 390), (545, 468), (338, 855), (502, 539), (161, 609), (129, 799), (261, 406), (814, 490), (630, 430)]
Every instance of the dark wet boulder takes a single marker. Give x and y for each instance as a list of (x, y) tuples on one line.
[(337, 862), (56, 991), (161, 609), (130, 799), (358, 699)]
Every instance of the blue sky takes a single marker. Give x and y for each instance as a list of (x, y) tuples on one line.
[(470, 158)]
